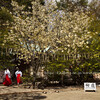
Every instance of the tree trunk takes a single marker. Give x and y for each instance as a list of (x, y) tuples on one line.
[(34, 80), (62, 79), (35, 65)]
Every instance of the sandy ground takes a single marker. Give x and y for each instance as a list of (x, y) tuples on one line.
[(68, 93)]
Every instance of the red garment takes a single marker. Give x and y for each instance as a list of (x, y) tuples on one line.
[(7, 81), (18, 79)]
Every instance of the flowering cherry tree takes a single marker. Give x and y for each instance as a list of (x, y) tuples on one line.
[(46, 28)]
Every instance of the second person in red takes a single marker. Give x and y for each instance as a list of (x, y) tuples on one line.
[(18, 76)]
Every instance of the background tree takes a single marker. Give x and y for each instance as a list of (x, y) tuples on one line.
[(5, 23), (70, 5), (95, 8)]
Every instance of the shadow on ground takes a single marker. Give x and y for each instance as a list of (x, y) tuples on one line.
[(22, 96)]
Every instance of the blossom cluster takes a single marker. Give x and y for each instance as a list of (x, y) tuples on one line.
[(44, 28)]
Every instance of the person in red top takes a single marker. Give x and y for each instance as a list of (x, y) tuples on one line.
[(18, 75), (7, 76)]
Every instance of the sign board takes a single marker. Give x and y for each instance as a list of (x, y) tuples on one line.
[(89, 86)]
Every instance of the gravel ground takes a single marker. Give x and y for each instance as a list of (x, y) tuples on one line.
[(67, 93)]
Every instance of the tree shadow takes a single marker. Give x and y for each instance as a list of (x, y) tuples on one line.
[(39, 97), (22, 96)]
